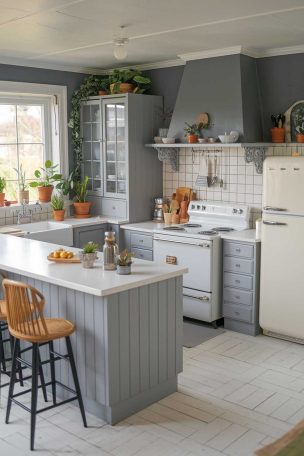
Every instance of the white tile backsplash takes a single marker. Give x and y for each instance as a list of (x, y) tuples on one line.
[(241, 183)]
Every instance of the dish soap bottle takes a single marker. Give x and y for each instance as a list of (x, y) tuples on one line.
[(110, 251)]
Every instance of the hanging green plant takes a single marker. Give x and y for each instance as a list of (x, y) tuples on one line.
[(90, 87)]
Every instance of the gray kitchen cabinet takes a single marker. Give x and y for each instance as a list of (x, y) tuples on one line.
[(124, 175), (139, 243), (241, 281), (84, 234)]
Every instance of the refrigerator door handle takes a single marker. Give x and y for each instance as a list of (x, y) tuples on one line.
[(275, 209), (267, 222)]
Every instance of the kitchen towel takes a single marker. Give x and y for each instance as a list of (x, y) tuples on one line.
[(202, 178)]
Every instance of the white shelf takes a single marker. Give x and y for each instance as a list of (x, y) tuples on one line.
[(219, 144)]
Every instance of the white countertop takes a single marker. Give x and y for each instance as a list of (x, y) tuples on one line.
[(242, 236), (148, 227), (28, 257), (74, 222)]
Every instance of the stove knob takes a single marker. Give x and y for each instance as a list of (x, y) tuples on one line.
[(192, 206), (234, 211), (240, 211), (198, 207), (203, 208)]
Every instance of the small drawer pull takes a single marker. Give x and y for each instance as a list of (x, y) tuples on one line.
[(113, 207), (237, 313), (238, 250), (237, 297), (141, 240), (237, 281), (237, 265)]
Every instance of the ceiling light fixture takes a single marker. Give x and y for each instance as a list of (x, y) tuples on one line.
[(120, 50)]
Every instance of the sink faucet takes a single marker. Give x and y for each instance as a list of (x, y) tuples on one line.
[(25, 215)]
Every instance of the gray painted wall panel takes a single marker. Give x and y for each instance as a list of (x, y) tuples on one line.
[(162, 336), (153, 334), (124, 345), (143, 339), (134, 342)]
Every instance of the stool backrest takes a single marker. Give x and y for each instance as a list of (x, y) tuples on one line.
[(25, 306)]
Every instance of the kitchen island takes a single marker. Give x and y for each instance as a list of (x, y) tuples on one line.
[(128, 339)]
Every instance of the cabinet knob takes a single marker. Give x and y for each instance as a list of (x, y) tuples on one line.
[(237, 265), (238, 250), (237, 281)]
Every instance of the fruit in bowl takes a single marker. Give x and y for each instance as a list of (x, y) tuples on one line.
[(61, 253)]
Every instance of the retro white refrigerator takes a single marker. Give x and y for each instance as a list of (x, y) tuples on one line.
[(282, 258)]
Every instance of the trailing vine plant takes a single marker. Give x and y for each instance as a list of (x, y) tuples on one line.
[(89, 87)]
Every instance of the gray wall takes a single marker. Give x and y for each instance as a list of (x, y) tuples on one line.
[(281, 80), (166, 82), (251, 100), (43, 76)]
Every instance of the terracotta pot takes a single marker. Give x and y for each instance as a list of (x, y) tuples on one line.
[(124, 87), (2, 198), (59, 215), (82, 209), (300, 138), (102, 92), (24, 196), (168, 218), (277, 135), (45, 193), (192, 139)]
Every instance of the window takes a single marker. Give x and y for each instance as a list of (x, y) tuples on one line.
[(33, 128), (24, 140)]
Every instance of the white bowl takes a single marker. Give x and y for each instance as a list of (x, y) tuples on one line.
[(202, 140), (227, 139), (168, 140), (158, 139)]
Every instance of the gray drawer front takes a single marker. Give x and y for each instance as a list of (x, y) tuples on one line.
[(114, 207), (238, 265), (143, 254), (238, 296), (143, 241), (237, 312), (237, 249), (237, 280)]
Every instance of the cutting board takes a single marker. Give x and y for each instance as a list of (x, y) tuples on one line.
[(182, 191)]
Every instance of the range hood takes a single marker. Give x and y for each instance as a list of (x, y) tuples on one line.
[(226, 88)]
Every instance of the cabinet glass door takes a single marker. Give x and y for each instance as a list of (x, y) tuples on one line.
[(115, 152), (91, 145)]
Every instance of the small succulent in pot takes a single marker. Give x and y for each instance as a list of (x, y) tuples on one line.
[(124, 262), (193, 131), (278, 130), (23, 186), (89, 254), (57, 204)]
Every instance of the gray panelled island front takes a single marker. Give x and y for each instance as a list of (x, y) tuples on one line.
[(128, 340)]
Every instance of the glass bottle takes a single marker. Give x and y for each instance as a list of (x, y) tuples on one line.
[(110, 251)]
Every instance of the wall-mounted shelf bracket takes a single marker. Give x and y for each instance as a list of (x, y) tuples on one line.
[(255, 154), (170, 154)]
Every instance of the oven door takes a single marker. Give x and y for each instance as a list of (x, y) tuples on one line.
[(197, 304), (195, 254)]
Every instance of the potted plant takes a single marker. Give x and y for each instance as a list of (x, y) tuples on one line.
[(192, 131), (278, 130), (103, 86), (47, 177), (57, 203), (299, 125), (124, 262), (81, 205), (89, 254), (23, 196), (2, 188), (128, 81)]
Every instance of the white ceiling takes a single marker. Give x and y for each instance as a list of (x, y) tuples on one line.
[(78, 35)]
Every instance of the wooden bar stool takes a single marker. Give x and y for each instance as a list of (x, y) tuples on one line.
[(4, 339), (26, 322)]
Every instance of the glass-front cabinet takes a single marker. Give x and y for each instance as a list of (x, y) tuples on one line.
[(115, 147), (92, 145)]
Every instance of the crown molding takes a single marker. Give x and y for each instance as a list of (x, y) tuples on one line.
[(218, 53), (282, 51)]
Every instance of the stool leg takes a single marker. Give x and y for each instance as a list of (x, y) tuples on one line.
[(76, 381), (2, 354), (12, 381), (53, 374), (35, 369), (42, 380)]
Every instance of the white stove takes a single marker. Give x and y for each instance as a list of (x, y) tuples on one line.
[(197, 245)]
